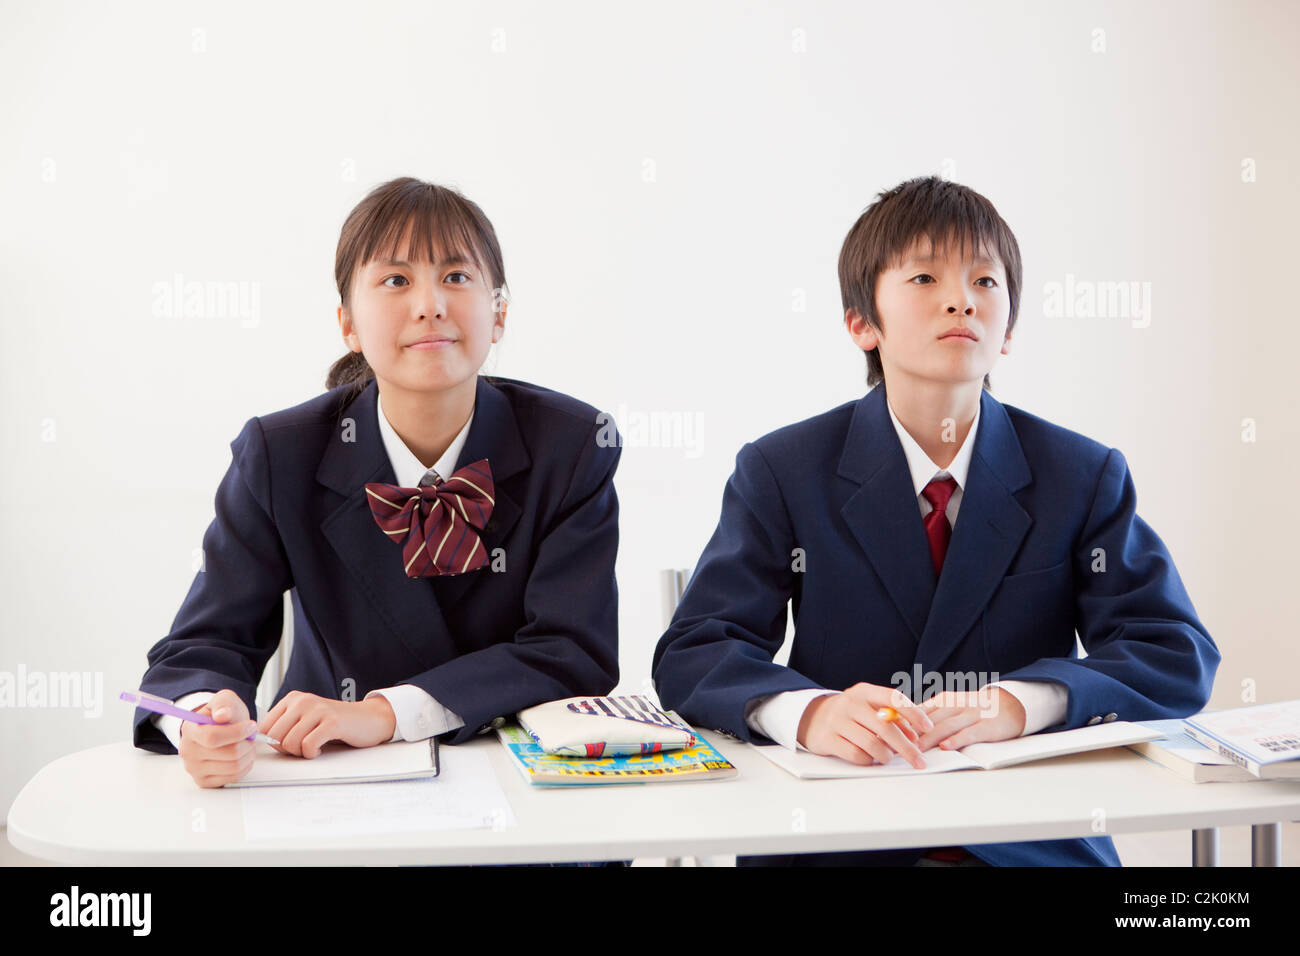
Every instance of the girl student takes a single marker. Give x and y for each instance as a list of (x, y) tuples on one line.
[(448, 539)]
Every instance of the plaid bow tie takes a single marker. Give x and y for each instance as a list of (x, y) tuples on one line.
[(437, 523)]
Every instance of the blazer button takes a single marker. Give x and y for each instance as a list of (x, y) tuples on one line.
[(1094, 719), (1109, 717)]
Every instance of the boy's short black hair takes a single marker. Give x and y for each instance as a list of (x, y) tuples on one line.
[(942, 211)]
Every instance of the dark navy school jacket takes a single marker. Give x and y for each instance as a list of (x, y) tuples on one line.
[(1042, 507), (292, 515)]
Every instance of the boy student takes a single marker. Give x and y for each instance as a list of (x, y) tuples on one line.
[(928, 529)]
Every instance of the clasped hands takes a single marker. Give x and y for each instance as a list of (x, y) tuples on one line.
[(846, 724)]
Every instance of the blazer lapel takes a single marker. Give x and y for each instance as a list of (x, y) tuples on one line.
[(355, 455), (990, 528), (890, 533), (494, 435), (885, 519)]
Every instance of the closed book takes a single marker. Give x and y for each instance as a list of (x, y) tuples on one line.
[(1254, 737), (1192, 760)]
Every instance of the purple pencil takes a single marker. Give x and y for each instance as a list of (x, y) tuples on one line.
[(160, 705)]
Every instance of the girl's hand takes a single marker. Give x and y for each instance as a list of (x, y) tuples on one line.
[(304, 723), (967, 717), (217, 754), (845, 725)]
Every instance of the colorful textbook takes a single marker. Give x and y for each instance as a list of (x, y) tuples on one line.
[(698, 762)]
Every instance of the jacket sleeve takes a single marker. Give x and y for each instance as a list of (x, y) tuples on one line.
[(231, 621), (568, 646), (717, 654), (1149, 656)]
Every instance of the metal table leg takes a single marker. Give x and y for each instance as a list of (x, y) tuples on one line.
[(1205, 847), (1266, 844)]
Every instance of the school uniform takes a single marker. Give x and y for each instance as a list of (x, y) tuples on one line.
[(827, 514), (450, 652)]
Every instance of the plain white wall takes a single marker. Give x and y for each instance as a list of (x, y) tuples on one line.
[(670, 184)]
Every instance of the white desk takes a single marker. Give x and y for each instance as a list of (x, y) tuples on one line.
[(116, 805)]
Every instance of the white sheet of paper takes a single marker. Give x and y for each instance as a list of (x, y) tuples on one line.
[(465, 796), (816, 767)]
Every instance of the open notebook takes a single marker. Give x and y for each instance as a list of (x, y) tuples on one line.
[(339, 763), (1004, 753)]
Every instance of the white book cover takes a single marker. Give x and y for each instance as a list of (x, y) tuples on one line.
[(1263, 733)]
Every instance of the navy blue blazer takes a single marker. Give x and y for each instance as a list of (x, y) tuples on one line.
[(292, 515), (1042, 507)]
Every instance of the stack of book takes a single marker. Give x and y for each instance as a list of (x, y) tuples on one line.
[(595, 740), (1261, 742)]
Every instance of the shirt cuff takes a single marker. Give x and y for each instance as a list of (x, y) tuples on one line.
[(418, 715), (171, 726), (1045, 702), (778, 715)]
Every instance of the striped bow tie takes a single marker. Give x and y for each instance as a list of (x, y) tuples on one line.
[(438, 523)]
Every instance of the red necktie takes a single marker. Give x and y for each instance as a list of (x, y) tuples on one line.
[(437, 524), (937, 528), (939, 531)]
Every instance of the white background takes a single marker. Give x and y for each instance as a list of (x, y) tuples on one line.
[(670, 183)]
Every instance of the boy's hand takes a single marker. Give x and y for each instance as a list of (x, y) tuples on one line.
[(967, 717), (845, 725), (304, 723), (217, 754)]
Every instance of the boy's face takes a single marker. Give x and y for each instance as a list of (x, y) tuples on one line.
[(396, 303), (921, 299)]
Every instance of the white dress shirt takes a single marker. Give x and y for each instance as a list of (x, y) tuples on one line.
[(418, 715), (778, 715)]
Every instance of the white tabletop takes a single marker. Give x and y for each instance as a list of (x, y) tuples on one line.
[(117, 805)]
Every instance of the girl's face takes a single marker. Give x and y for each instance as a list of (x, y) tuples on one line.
[(423, 327)]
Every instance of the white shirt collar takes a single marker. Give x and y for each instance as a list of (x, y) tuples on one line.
[(408, 469), (922, 468)]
